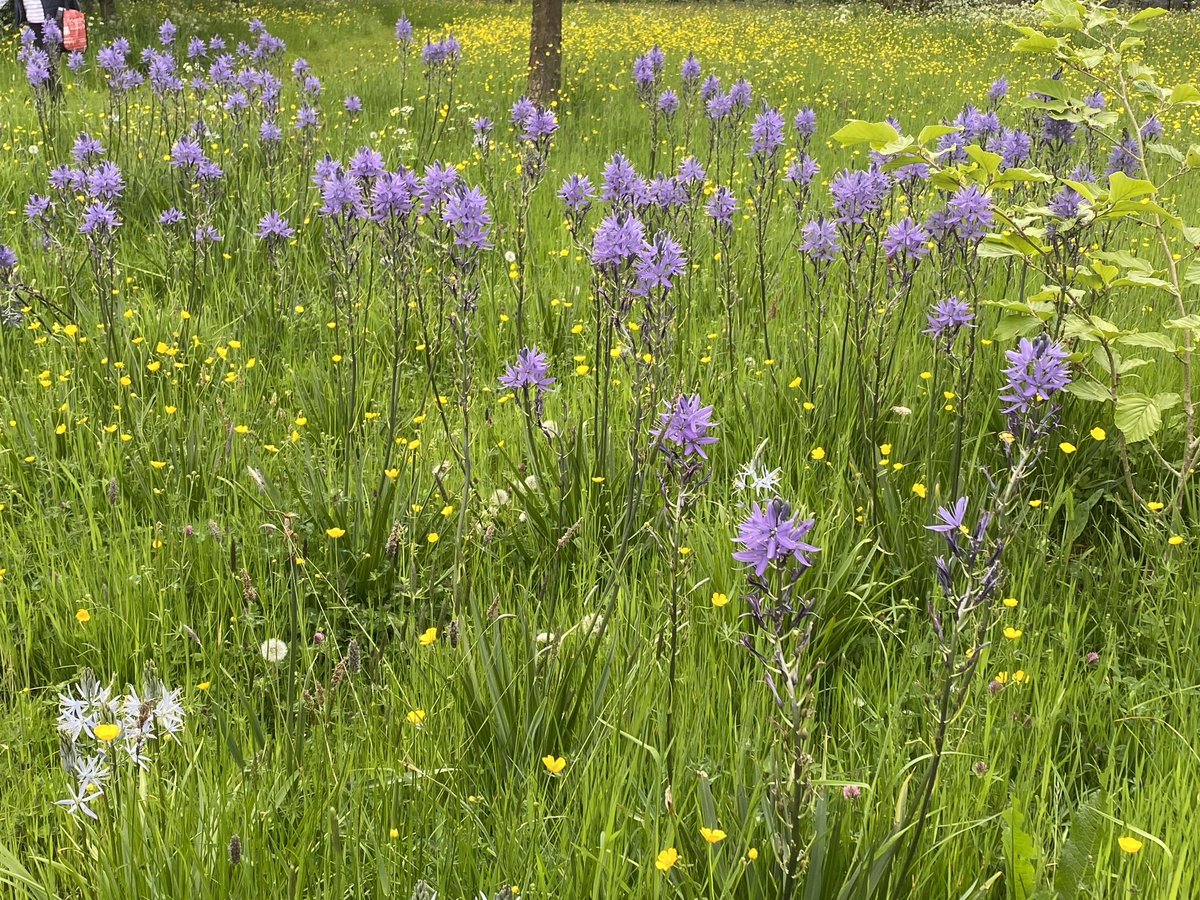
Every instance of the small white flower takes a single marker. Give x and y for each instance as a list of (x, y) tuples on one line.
[(273, 650), (902, 410), (509, 256), (34, 149), (499, 498), (531, 482), (550, 427)]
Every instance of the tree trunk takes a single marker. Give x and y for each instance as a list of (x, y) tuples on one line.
[(545, 51)]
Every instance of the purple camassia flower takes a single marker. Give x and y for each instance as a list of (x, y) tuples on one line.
[(947, 318), (686, 424), (8, 260), (710, 88), (86, 147), (312, 86), (445, 53), (577, 193), (366, 164), (766, 134), (170, 218), (690, 71), (166, 33), (619, 239), (805, 124), (665, 192), (440, 179), (206, 234), (522, 111), (270, 132), (187, 154), (645, 76), (721, 207), (531, 370), (907, 240), (1066, 204), (196, 48), (237, 102), (1096, 101), (1037, 370), (668, 103), (325, 169), (394, 195), (64, 179), (1014, 148), (306, 118), (1124, 157), (38, 207), (223, 70), (969, 213), (76, 61), (691, 172), (740, 94), (100, 219), (274, 228), (858, 194), (467, 215), (300, 68), (353, 105), (719, 106), (342, 197), (482, 127), (404, 31), (539, 126), (622, 186), (37, 68), (771, 536), (998, 91), (819, 241), (1058, 131), (1152, 129), (658, 264), (104, 182), (953, 520), (216, 44)]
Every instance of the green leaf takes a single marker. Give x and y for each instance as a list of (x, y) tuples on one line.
[(988, 161), (1094, 330), (1075, 873), (1184, 93), (1137, 416), (1192, 158), (1147, 14), (1092, 391), (1065, 14), (1122, 187), (1187, 323), (1034, 41), (859, 132), (1023, 176), (1191, 275), (933, 132), (1164, 149), (1152, 339), (1020, 855), (1012, 325)]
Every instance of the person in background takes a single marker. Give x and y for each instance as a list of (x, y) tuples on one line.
[(34, 14)]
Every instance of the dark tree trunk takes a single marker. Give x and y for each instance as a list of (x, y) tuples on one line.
[(545, 51)]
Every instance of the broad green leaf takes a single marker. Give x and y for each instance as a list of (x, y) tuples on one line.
[(1164, 149), (1075, 873), (860, 132), (1013, 325), (1082, 188), (1124, 260), (1187, 323), (1094, 330), (1022, 176), (1092, 391), (1191, 275), (988, 161), (1065, 14), (1192, 158), (1122, 187), (1020, 855), (1184, 93), (1147, 14), (933, 132), (1137, 415), (1034, 41), (1152, 339)]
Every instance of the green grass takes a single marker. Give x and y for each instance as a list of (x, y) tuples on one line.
[(187, 566)]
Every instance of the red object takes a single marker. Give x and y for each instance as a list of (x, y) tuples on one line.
[(74, 30)]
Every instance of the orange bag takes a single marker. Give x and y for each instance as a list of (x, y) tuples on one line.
[(74, 30)]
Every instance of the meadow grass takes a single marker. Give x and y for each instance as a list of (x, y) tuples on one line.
[(231, 493)]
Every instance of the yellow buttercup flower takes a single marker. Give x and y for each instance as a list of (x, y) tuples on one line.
[(713, 835), (106, 732), (335, 533), (919, 490), (667, 859), (719, 599), (429, 637), (554, 764), (82, 616), (1013, 633), (818, 453), (1129, 844)]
